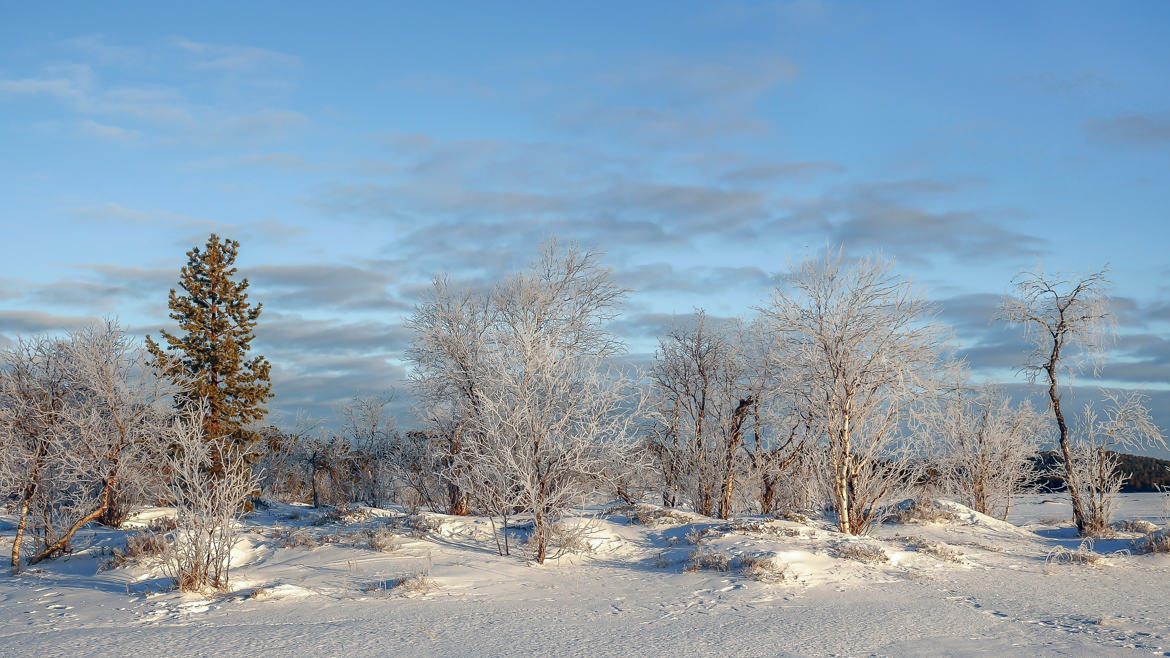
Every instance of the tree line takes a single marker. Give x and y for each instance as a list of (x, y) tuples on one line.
[(839, 395)]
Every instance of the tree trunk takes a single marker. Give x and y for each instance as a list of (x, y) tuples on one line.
[(842, 480), (733, 441), (19, 540), (62, 542), (1065, 449)]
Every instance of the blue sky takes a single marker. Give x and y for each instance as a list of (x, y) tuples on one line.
[(354, 152)]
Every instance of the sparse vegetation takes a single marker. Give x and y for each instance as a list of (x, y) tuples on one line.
[(419, 582), (939, 550), (141, 547), (763, 569), (382, 539), (297, 538), (705, 559), (1083, 555), (860, 552)]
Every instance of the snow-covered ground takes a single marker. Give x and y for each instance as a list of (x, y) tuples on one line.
[(650, 582)]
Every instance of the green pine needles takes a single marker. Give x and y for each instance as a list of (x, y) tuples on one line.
[(209, 357)]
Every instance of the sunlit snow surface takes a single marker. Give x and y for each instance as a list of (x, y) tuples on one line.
[(964, 585)]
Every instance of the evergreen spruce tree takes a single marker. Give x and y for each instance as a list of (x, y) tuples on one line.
[(209, 357)]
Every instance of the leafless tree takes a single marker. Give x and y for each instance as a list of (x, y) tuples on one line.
[(552, 426), (868, 350), (778, 432), (702, 405), (209, 506), (34, 387), (1123, 424), (1068, 319), (987, 447), (449, 334), (370, 431), (550, 411), (80, 421), (327, 460)]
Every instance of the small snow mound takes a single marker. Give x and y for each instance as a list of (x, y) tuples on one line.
[(282, 591), (1155, 542), (941, 510), (145, 516)]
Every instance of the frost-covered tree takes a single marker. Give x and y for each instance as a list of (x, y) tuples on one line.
[(209, 505), (551, 411), (987, 445), (1122, 423), (867, 350), (34, 390), (80, 420), (1068, 320), (702, 404), (777, 433), (449, 334)]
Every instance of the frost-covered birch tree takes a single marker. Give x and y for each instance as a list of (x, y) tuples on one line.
[(552, 410), (867, 349)]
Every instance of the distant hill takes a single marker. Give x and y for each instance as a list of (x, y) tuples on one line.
[(1145, 473)]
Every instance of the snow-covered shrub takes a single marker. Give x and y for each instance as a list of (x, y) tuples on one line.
[(705, 559), (763, 569), (867, 553), (345, 513), (569, 538), (1140, 526), (419, 582), (420, 525), (1084, 554), (382, 540), (140, 547), (939, 550), (651, 516), (297, 538)]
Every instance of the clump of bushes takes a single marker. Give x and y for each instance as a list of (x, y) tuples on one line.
[(140, 547), (705, 559)]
